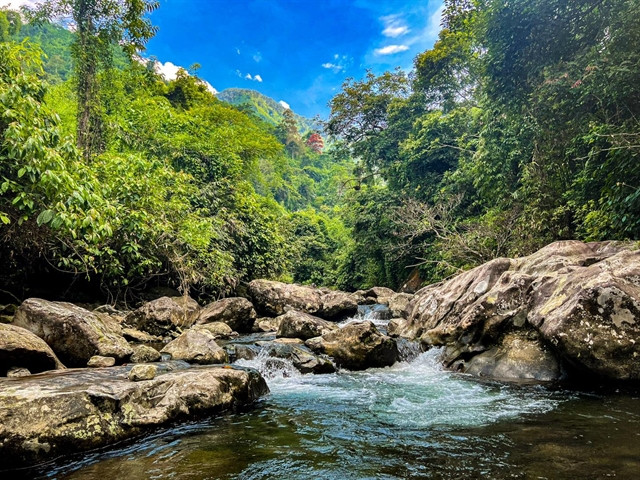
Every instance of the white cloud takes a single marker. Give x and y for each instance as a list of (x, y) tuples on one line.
[(168, 70), (257, 78), (257, 57), (394, 26), (238, 51), (16, 4), (333, 66), (391, 49), (285, 105), (209, 87), (435, 22), (248, 76)]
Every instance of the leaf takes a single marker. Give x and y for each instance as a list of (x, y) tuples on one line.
[(45, 217)]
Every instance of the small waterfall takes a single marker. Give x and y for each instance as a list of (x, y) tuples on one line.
[(271, 367)]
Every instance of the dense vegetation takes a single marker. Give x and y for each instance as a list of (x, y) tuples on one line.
[(519, 127)]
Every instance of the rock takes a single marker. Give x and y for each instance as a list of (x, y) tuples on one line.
[(74, 334), (237, 312), (162, 316), (144, 354), (218, 329), (359, 297), (398, 304), (139, 373), (295, 324), (15, 372), (357, 346), (98, 361), (241, 352), (393, 326), (289, 341), (303, 359), (580, 300), (337, 305), (134, 335), (88, 409), (380, 294), (21, 348), (267, 324), (109, 310), (196, 346), (413, 283), (271, 298), (519, 356)]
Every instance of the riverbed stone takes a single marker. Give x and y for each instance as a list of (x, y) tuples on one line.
[(145, 354), (86, 409), (140, 373), (135, 335), (163, 316), (398, 304), (273, 298), (581, 299), (337, 305), (357, 346), (196, 346), (302, 358), (296, 324), (16, 372), (74, 333), (267, 324), (219, 329), (380, 294), (21, 348), (98, 361), (237, 312)]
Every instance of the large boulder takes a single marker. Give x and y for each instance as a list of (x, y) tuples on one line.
[(48, 415), (196, 345), (164, 315), (21, 348), (237, 312), (275, 298), (380, 294), (398, 304), (74, 334), (357, 346), (581, 302), (295, 324)]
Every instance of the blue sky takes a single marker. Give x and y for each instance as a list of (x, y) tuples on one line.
[(294, 51)]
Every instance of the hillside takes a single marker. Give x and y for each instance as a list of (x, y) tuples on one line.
[(264, 107)]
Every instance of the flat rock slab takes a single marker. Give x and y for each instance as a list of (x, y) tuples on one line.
[(56, 413)]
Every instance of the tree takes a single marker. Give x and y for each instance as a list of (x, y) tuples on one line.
[(287, 133), (99, 26), (315, 142)]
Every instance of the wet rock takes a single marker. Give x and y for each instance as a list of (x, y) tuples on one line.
[(74, 334), (218, 329), (519, 356), (337, 306), (16, 372), (295, 324), (85, 409), (140, 373), (21, 348), (196, 346), (98, 361), (133, 335), (581, 299), (237, 312), (303, 359), (267, 324), (380, 294), (357, 346), (398, 304), (163, 316), (241, 352), (393, 326), (144, 354)]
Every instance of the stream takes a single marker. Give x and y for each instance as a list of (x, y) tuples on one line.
[(412, 420)]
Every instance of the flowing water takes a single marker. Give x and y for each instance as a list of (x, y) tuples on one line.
[(412, 420)]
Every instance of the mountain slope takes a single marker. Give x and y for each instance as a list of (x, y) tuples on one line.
[(264, 107)]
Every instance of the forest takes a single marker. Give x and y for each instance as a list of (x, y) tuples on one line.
[(519, 127)]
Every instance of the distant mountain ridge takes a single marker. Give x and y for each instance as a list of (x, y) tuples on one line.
[(265, 107)]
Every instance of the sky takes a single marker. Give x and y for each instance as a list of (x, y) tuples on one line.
[(296, 51)]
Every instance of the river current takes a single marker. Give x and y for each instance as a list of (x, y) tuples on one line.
[(412, 420)]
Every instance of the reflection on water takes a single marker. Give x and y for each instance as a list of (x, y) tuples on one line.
[(413, 420)]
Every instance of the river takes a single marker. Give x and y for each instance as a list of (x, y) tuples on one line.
[(412, 420)]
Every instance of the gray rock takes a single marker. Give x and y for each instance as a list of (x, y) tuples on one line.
[(74, 334), (218, 329), (98, 361), (15, 372), (237, 312), (145, 354), (267, 324), (134, 335), (140, 373), (357, 346), (272, 298), (196, 346), (87, 409), (295, 324), (398, 304), (337, 305), (163, 316), (303, 359), (21, 348)]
